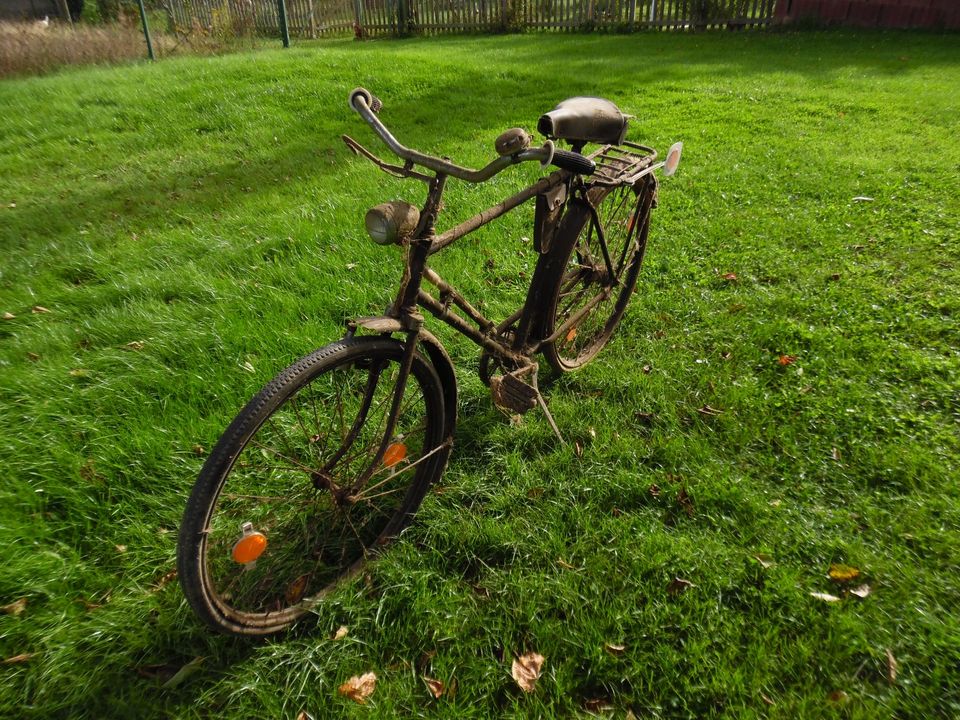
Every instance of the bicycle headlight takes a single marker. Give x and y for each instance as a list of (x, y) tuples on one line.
[(391, 222)]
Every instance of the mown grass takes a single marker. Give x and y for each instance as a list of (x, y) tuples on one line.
[(206, 209)]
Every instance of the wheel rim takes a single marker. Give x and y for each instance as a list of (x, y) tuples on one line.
[(587, 281), (298, 480)]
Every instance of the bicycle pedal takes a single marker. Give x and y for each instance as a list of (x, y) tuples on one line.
[(512, 393)]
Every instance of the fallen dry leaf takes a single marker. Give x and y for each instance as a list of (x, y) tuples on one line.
[(843, 573), (729, 277), (654, 490), (614, 649), (835, 454), (826, 597), (679, 585), (709, 411), (861, 591), (198, 450), (32, 356), (164, 579), (564, 564), (16, 659), (436, 687), (304, 715), (38, 309), (183, 673), (9, 316), (526, 671), (134, 345), (787, 360), (351, 266), (359, 687), (341, 633), (862, 198), (578, 449), (765, 560), (646, 369), (15, 608), (296, 589), (726, 355), (597, 705), (767, 700), (891, 667), (837, 696)]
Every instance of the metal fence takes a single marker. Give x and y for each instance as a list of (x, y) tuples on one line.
[(377, 18)]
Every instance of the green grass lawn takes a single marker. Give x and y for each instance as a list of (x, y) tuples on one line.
[(189, 225)]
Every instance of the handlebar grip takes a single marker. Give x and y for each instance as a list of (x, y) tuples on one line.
[(574, 162), (372, 101)]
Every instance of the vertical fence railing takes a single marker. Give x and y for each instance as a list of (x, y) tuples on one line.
[(378, 18)]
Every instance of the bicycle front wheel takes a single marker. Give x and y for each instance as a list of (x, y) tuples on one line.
[(592, 271), (305, 484)]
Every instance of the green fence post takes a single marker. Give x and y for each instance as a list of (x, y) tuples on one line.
[(284, 31), (146, 29)]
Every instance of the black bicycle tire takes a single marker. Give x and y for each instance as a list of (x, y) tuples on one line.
[(191, 561), (574, 223)]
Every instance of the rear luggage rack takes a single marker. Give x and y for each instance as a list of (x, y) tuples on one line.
[(622, 164)]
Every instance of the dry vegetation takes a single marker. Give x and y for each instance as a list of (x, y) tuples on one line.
[(30, 47)]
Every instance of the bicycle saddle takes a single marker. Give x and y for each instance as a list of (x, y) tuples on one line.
[(585, 119)]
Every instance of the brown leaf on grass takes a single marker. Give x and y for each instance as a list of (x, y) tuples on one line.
[(892, 667), (729, 277), (32, 356), (843, 573), (9, 316), (766, 561), (17, 659), (578, 449), (684, 501), (304, 715), (654, 490), (709, 411), (614, 649), (564, 564), (39, 309), (526, 671), (296, 589), (135, 345), (359, 687), (785, 360), (679, 585), (198, 450), (838, 696), (726, 355), (767, 700), (340, 633), (15, 608), (646, 369), (535, 492), (835, 454), (861, 591), (436, 687), (164, 579), (835, 276), (597, 705), (826, 597)]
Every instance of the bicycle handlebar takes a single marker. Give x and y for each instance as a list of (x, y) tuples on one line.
[(367, 106)]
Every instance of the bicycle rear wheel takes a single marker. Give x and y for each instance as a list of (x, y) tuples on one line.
[(293, 499), (592, 271)]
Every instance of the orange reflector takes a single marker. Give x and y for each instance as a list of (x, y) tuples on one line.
[(250, 546), (571, 335), (394, 454)]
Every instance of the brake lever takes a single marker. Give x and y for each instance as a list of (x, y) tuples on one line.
[(405, 171)]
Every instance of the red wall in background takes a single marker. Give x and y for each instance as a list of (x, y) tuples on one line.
[(936, 14)]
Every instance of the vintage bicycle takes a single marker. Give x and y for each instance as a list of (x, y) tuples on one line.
[(329, 461)]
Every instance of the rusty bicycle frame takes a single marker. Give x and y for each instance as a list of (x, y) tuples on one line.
[(515, 340)]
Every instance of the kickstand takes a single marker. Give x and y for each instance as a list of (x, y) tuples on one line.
[(543, 406)]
